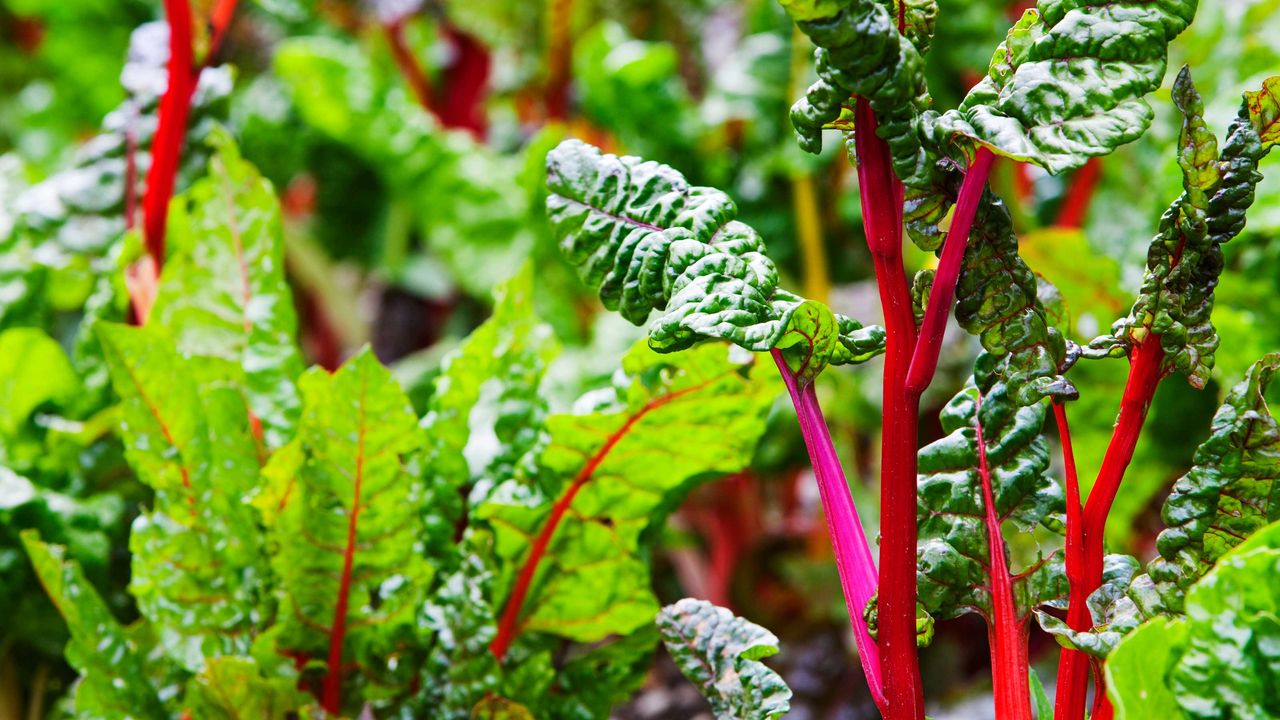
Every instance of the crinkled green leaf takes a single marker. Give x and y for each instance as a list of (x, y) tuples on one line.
[(1069, 81), (919, 19), (1232, 489), (34, 370), (223, 295), (113, 668), (350, 561), (607, 474), (1263, 107), (1124, 601), (954, 555), (200, 545), (461, 615), (650, 241), (860, 52), (721, 654), (462, 195), (231, 688), (1185, 258), (997, 299), (1223, 660)]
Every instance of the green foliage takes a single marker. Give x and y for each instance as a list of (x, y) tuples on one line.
[(955, 547), (1185, 258), (349, 531), (111, 662), (1123, 602), (457, 191), (649, 241), (721, 654), (1219, 661), (223, 296), (573, 538), (1231, 491), (1068, 82)]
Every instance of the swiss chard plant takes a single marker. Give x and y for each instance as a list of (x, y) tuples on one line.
[(1068, 84), (221, 531)]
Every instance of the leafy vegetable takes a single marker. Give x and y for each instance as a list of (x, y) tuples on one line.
[(721, 653)]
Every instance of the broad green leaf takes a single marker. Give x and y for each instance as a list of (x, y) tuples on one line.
[(721, 654), (113, 669), (1137, 669), (231, 688), (1232, 490), (200, 544), (955, 550), (570, 546), (860, 52), (223, 295), (1219, 662), (1263, 107), (1185, 258), (34, 370), (650, 241), (1069, 81), (460, 613), (350, 534), (462, 195)]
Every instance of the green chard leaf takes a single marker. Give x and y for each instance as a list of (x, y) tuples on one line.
[(956, 559), (223, 295), (1232, 489), (350, 534), (1221, 660), (650, 241), (481, 231), (998, 300), (231, 688), (570, 546), (721, 654), (1185, 258), (861, 52), (113, 668), (200, 544), (1124, 601), (1069, 81)]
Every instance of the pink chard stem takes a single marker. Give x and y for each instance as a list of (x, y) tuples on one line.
[(924, 362), (858, 577)]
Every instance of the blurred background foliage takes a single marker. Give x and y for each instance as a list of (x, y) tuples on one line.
[(406, 139)]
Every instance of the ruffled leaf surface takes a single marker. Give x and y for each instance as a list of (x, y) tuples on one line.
[(721, 655), (954, 571), (650, 241), (1069, 81)]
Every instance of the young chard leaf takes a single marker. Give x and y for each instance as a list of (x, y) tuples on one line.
[(1185, 258), (1232, 489), (223, 297), (113, 668), (200, 545), (1068, 82), (650, 241), (571, 549), (351, 566), (721, 654)]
